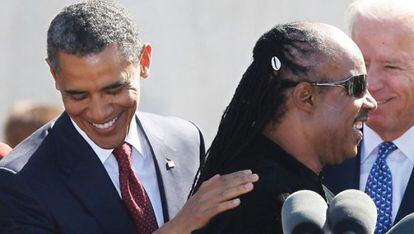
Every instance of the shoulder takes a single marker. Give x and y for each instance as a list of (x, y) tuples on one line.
[(24, 151), (169, 127), (23, 210), (169, 122), (258, 212)]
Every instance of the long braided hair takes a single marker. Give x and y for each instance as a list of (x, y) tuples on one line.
[(260, 96)]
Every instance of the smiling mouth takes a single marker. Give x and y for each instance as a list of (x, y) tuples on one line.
[(382, 102), (358, 125), (107, 124), (360, 120)]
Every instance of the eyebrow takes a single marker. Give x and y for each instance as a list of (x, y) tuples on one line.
[(115, 85), (106, 88), (74, 92)]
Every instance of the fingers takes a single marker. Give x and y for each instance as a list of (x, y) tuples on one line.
[(239, 178), (224, 206), (222, 196), (231, 180), (225, 187), (216, 195), (236, 191)]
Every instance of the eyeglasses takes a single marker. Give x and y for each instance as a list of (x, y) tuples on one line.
[(356, 86)]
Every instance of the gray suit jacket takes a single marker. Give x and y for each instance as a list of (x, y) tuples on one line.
[(53, 182)]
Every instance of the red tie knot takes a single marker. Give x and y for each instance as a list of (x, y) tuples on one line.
[(123, 150)]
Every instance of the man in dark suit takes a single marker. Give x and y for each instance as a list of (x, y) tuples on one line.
[(384, 31), (103, 167)]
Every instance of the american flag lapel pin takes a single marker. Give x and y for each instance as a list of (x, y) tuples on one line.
[(170, 164)]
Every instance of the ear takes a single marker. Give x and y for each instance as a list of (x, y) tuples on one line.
[(145, 60), (54, 74), (303, 97)]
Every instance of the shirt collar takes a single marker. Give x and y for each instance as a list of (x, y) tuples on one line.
[(372, 140), (405, 145), (133, 137)]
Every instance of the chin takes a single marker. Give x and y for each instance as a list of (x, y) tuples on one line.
[(112, 139), (377, 121), (109, 143), (352, 154)]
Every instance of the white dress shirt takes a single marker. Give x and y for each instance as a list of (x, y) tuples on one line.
[(400, 162), (142, 164)]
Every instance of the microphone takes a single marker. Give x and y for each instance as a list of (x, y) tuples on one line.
[(404, 226), (304, 212), (352, 212)]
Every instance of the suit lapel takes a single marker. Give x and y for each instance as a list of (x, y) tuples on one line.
[(163, 153), (155, 141), (351, 171), (88, 180), (407, 204)]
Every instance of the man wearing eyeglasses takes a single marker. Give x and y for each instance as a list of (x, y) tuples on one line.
[(299, 106), (384, 31)]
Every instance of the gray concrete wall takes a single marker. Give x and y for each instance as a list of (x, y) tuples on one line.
[(200, 50)]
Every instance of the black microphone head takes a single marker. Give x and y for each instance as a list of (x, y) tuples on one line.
[(404, 226), (304, 212), (352, 212)]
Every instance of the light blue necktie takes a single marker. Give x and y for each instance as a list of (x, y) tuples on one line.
[(379, 187)]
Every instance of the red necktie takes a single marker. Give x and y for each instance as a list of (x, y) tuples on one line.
[(133, 193)]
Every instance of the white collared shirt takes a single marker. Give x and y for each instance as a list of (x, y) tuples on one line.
[(400, 162), (142, 164)]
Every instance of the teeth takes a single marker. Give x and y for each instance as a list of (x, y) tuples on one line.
[(381, 102), (358, 125), (105, 125)]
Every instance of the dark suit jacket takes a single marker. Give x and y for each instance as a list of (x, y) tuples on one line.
[(346, 176), (60, 186)]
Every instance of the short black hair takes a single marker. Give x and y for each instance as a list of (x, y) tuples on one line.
[(89, 27)]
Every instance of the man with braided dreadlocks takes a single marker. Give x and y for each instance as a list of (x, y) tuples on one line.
[(299, 106)]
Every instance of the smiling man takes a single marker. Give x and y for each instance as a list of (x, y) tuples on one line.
[(103, 167), (101, 92), (384, 31), (299, 106)]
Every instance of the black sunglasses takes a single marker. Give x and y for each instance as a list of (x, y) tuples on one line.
[(356, 86)]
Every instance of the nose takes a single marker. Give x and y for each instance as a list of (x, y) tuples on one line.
[(99, 110), (369, 102)]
